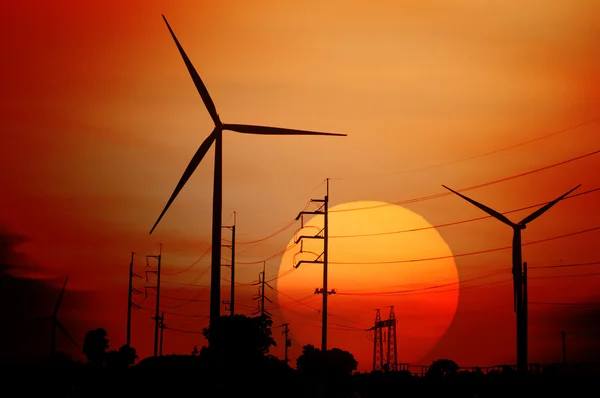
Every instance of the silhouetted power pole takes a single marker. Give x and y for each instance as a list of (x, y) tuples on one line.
[(162, 332), (288, 342), (323, 234), (261, 294), (130, 302), (525, 318), (231, 301), (157, 288)]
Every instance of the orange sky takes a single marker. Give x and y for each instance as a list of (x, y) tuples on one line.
[(101, 117)]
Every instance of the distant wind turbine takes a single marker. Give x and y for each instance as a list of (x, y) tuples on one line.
[(216, 136), (517, 268), (56, 323)]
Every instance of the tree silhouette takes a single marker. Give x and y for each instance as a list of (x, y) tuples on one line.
[(241, 336), (315, 364), (123, 358), (442, 368), (95, 346), (239, 350)]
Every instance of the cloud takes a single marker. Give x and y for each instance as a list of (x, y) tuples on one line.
[(24, 299)]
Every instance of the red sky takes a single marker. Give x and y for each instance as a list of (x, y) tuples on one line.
[(101, 117)]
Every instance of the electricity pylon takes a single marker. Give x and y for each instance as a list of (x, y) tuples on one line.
[(156, 317), (231, 301), (387, 360), (261, 295), (323, 234), (130, 302)]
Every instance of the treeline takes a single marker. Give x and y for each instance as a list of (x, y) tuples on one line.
[(238, 364)]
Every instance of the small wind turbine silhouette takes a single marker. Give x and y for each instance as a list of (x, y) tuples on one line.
[(216, 136), (517, 268), (56, 323)]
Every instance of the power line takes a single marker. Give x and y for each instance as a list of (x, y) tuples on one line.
[(288, 248), (185, 299), (380, 293), (341, 327), (183, 330), (192, 283), (465, 254), (461, 221), (282, 229), (485, 184), (584, 123), (572, 127), (565, 265), (563, 303), (272, 257), (431, 290), (192, 264), (414, 230), (185, 284), (566, 276), (300, 301), (185, 315)]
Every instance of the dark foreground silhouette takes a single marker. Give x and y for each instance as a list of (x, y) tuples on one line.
[(238, 364)]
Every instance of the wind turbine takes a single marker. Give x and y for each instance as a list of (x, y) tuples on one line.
[(56, 323), (517, 269), (216, 137)]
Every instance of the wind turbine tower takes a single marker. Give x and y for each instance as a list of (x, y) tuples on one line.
[(216, 137), (520, 305)]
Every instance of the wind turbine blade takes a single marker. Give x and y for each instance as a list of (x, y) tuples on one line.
[(196, 159), (249, 129), (60, 297), (60, 326), (208, 102), (544, 209), (489, 211)]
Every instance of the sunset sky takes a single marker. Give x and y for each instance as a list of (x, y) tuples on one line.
[(498, 100)]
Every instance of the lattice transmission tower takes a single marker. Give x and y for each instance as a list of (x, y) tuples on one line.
[(385, 360)]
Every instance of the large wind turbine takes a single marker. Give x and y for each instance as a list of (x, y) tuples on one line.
[(517, 268), (56, 323), (216, 136)]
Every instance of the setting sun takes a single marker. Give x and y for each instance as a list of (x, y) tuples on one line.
[(370, 267)]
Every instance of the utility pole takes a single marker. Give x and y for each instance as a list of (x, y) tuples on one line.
[(261, 294), (288, 342), (157, 288), (564, 347), (130, 302), (162, 331), (525, 319), (323, 234), (231, 301)]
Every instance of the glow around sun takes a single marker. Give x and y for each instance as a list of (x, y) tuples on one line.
[(369, 268)]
